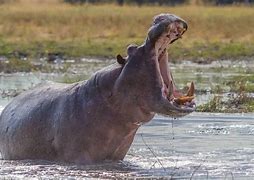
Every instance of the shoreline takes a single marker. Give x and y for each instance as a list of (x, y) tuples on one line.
[(47, 63), (195, 52)]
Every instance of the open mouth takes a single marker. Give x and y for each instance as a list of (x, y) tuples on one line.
[(169, 90)]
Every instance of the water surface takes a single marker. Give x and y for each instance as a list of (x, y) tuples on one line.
[(198, 146)]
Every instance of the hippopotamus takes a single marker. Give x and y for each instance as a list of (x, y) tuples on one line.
[(96, 120)]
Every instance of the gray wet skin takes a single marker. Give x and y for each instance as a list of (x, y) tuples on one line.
[(96, 120)]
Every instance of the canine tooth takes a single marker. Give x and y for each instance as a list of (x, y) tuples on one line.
[(191, 90)]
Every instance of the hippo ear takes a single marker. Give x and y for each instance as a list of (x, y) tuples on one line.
[(120, 59), (132, 49)]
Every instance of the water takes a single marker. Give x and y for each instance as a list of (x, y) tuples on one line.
[(198, 146), (215, 145)]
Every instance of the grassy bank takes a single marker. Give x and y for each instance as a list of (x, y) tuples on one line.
[(36, 28)]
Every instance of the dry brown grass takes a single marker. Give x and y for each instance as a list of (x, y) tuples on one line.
[(49, 23)]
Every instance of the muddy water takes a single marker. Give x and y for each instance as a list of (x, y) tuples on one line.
[(198, 146)]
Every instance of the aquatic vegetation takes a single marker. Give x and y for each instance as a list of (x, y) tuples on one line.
[(243, 83), (27, 65), (236, 103), (10, 93), (16, 65), (239, 99)]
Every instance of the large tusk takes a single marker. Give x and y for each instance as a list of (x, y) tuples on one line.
[(191, 90), (188, 98)]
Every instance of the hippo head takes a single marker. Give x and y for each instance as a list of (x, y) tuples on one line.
[(146, 80)]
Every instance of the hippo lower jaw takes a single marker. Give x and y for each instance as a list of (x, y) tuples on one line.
[(172, 102)]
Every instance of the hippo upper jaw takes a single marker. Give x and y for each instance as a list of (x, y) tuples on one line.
[(168, 28)]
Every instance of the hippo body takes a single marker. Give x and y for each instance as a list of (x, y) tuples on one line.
[(56, 122), (96, 120)]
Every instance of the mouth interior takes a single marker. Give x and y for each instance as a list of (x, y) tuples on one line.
[(169, 90)]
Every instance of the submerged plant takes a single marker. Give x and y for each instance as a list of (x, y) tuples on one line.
[(233, 103)]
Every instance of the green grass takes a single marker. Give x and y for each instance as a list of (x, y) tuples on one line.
[(243, 83), (15, 65), (39, 27), (241, 103)]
